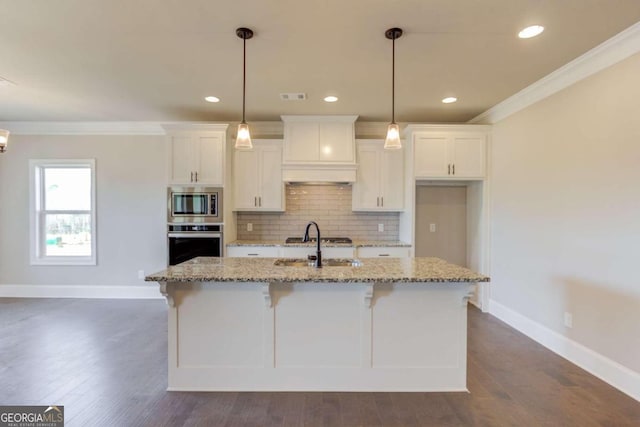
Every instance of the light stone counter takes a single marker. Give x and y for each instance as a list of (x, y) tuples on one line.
[(404, 270)]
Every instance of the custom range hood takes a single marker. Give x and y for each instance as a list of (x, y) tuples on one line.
[(319, 149)]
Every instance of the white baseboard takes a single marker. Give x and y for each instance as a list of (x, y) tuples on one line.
[(80, 291), (609, 371)]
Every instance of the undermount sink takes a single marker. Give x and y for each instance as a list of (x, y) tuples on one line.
[(331, 262)]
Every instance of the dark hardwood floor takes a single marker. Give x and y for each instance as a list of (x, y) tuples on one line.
[(105, 361)]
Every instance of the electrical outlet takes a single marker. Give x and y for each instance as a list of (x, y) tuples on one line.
[(380, 228), (249, 226), (141, 274), (568, 319), (432, 228)]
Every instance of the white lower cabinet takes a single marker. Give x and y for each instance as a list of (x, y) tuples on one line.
[(253, 251), (388, 252), (327, 252), (303, 252)]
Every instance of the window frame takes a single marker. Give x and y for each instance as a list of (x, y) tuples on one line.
[(37, 243)]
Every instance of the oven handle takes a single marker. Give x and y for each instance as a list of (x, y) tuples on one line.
[(194, 235)]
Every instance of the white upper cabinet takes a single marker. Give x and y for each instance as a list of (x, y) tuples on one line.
[(380, 178), (196, 154), (451, 152), (319, 139), (257, 177)]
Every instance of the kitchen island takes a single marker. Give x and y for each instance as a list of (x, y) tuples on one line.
[(375, 325)]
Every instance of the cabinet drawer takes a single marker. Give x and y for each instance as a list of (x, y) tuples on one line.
[(386, 252), (252, 251), (303, 252)]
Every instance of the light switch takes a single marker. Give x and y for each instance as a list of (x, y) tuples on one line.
[(380, 228), (249, 226), (432, 228)]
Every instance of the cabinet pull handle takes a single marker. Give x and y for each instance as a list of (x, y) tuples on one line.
[(260, 201), (191, 177), (378, 201), (252, 254), (196, 176), (382, 201), (454, 169), (255, 201), (383, 254), (449, 169)]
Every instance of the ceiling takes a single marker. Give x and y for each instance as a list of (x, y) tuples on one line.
[(145, 60)]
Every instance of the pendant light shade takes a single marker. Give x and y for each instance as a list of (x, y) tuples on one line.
[(243, 138), (4, 138), (392, 142)]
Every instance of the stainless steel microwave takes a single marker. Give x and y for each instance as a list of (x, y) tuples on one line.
[(194, 205)]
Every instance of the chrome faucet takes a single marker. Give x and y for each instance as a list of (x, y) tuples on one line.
[(318, 260)]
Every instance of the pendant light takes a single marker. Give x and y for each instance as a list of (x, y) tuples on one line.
[(4, 138), (392, 142), (243, 139)]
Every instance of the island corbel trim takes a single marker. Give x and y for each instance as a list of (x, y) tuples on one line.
[(166, 289)]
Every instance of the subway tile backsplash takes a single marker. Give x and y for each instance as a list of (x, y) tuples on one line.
[(329, 206)]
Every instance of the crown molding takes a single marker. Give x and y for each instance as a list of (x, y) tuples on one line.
[(104, 128), (608, 53), (84, 128)]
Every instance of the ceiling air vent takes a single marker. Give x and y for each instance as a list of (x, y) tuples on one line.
[(293, 96)]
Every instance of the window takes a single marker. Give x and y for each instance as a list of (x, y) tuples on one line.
[(63, 214)]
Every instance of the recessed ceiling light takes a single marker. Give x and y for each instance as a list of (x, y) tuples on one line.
[(449, 100), (330, 98), (212, 99), (531, 31)]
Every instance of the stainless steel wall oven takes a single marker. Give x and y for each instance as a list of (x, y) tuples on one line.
[(194, 221), (191, 241)]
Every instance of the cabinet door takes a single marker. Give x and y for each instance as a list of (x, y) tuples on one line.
[(271, 186), (209, 162), (245, 178), (431, 156), (391, 179), (383, 252), (181, 156), (366, 189), (468, 153), (252, 251), (335, 142)]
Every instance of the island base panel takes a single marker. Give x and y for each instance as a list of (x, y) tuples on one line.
[(318, 337)]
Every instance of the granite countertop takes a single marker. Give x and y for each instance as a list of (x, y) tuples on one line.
[(356, 243), (407, 270)]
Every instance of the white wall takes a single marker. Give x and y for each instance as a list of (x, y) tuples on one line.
[(131, 209), (565, 212)]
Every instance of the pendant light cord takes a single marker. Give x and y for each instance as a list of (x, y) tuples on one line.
[(244, 73), (393, 80)]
